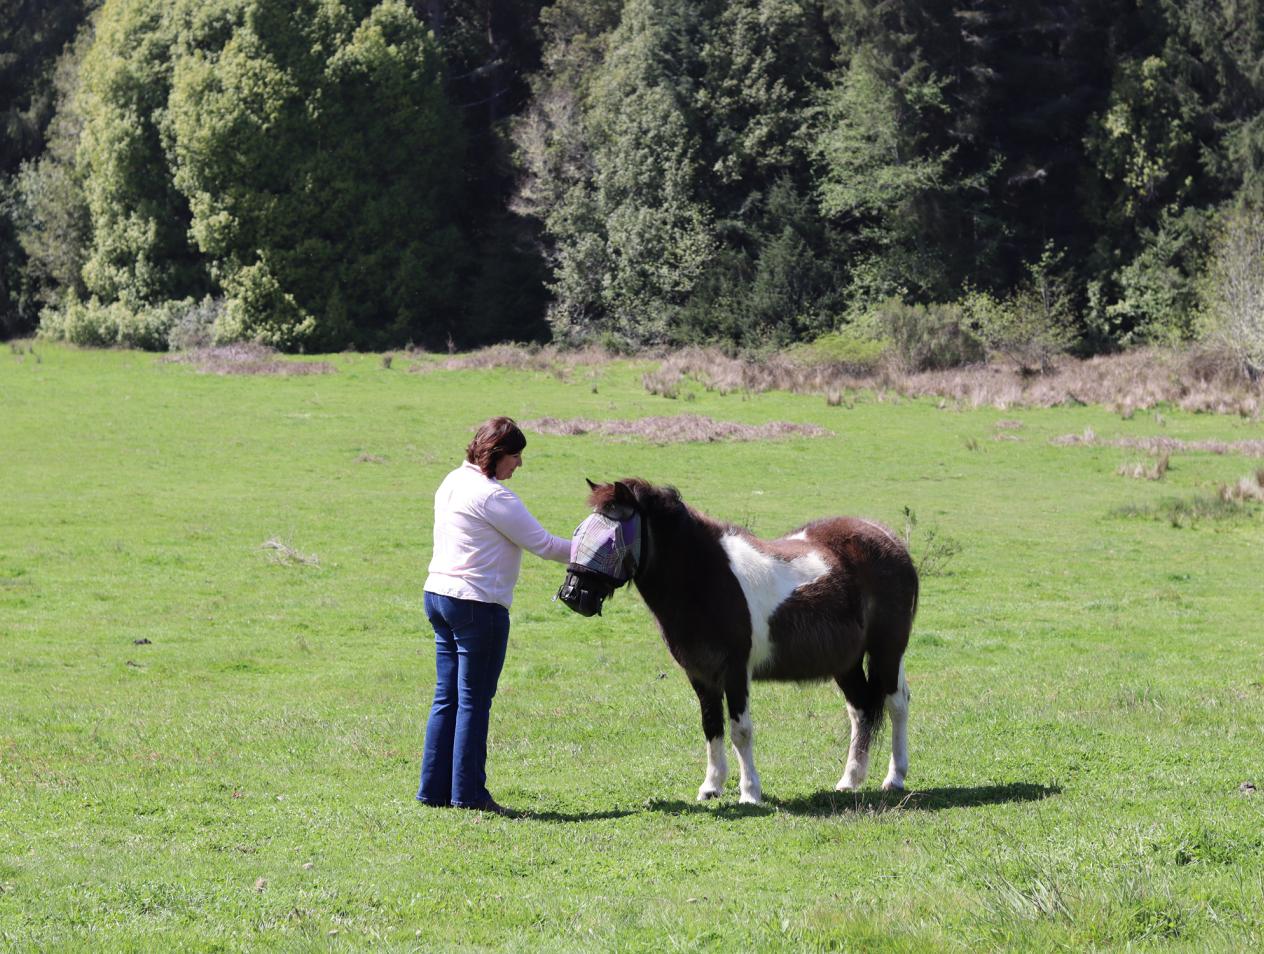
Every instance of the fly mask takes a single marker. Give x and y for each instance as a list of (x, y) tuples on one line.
[(605, 554)]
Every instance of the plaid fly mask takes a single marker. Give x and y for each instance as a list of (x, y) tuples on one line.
[(604, 554)]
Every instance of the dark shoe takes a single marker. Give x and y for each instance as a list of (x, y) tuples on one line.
[(430, 804)]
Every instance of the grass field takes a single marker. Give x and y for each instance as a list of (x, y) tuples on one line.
[(207, 746)]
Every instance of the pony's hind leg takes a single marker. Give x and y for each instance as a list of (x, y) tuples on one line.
[(711, 700), (897, 704), (737, 689), (856, 688)]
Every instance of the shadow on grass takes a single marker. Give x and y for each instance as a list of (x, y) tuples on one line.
[(576, 816), (826, 803)]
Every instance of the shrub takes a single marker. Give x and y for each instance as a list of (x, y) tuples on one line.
[(196, 326), (925, 337), (851, 348), (1035, 324), (94, 324)]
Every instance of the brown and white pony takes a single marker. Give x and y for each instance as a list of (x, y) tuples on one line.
[(731, 607)]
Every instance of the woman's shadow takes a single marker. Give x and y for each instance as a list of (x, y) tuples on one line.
[(828, 803)]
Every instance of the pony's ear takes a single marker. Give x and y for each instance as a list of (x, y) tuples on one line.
[(623, 493), (591, 485)]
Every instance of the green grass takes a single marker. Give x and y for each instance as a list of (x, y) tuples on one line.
[(1088, 687)]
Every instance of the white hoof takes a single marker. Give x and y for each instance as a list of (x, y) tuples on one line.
[(706, 793), (852, 779), (893, 783), (750, 798)]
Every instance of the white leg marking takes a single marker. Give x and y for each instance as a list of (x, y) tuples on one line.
[(766, 583), (857, 754), (717, 770), (743, 735), (897, 709)]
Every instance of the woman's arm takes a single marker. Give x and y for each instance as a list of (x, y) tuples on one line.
[(510, 516)]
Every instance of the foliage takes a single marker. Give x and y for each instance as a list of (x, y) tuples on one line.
[(50, 207), (752, 173), (1033, 325), (1234, 318), (326, 226), (924, 337), (34, 33), (98, 325)]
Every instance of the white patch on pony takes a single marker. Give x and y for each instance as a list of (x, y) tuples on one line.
[(857, 754), (767, 582), (717, 770), (801, 535), (898, 709), (743, 735)]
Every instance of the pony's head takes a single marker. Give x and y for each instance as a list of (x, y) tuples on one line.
[(605, 548)]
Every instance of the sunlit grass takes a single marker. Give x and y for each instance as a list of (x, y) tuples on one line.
[(214, 672)]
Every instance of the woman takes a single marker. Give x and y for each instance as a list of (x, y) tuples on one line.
[(480, 531)]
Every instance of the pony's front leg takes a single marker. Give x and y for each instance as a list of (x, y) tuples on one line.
[(711, 700), (743, 734)]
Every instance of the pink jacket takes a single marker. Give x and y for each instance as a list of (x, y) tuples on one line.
[(480, 531)]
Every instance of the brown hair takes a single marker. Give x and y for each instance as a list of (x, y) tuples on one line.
[(496, 438)]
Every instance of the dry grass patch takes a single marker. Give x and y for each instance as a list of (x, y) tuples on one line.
[(681, 429), (1162, 445), (281, 552), (246, 358), (1248, 488), (1128, 382), (1146, 470), (516, 357), (1135, 380)]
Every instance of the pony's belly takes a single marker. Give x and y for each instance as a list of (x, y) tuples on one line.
[(767, 582)]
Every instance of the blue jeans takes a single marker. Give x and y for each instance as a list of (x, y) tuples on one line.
[(470, 642)]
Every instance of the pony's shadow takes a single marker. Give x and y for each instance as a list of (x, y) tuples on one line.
[(826, 803)]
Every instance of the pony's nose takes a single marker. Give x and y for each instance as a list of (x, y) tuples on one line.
[(581, 595)]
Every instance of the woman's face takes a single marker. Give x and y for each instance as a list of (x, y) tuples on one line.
[(507, 464)]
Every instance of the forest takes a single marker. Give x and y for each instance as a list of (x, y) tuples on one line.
[(1030, 176)]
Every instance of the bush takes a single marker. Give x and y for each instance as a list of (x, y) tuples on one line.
[(850, 348), (94, 324), (197, 326), (1035, 324), (925, 337)]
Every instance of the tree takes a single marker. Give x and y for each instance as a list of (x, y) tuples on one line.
[(1181, 135), (320, 159), (34, 33), (50, 207), (140, 253), (1234, 320)]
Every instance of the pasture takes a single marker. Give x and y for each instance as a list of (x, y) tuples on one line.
[(214, 674)]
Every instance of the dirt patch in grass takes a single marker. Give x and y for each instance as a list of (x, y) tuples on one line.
[(682, 429), (245, 358)]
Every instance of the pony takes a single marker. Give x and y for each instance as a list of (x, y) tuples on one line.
[(811, 605)]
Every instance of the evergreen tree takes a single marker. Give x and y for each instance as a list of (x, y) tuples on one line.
[(1180, 136), (320, 158), (140, 252), (32, 36)]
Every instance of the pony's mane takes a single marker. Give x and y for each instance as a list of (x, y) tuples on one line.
[(649, 497)]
